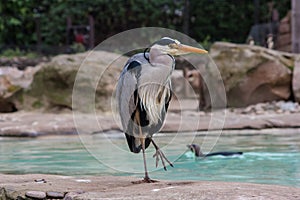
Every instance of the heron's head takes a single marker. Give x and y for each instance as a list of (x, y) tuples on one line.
[(192, 147), (195, 149), (174, 47)]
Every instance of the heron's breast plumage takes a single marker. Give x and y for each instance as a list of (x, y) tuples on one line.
[(153, 96)]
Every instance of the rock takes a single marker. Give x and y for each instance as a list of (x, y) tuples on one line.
[(185, 85), (21, 62), (6, 106), (296, 81), (178, 83), (2, 193), (40, 180), (55, 195), (266, 82), (269, 108), (202, 79), (288, 106), (53, 84), (12, 80), (259, 109), (253, 74), (72, 195), (36, 194)]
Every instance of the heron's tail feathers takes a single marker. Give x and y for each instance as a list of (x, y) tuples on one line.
[(134, 143)]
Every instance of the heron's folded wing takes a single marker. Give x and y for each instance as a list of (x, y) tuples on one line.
[(126, 87)]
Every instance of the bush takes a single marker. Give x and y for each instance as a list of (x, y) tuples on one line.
[(11, 53), (209, 20)]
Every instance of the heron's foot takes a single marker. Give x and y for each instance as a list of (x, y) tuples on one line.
[(145, 180), (160, 155)]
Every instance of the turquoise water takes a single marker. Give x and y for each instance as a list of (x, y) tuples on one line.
[(267, 159)]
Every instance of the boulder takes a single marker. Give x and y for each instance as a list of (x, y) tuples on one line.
[(53, 84), (22, 62), (13, 80), (253, 74), (202, 80), (296, 80), (268, 82)]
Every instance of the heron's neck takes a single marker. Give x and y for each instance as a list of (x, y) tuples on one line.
[(157, 57), (198, 153)]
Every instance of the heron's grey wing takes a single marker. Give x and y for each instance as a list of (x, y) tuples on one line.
[(168, 98), (129, 102), (126, 87)]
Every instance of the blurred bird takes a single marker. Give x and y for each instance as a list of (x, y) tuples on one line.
[(198, 153), (144, 92)]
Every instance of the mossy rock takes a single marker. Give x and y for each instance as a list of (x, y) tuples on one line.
[(53, 84)]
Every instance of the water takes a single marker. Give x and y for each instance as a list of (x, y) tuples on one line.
[(267, 159)]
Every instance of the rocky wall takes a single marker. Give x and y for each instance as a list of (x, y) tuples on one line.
[(253, 74), (250, 74)]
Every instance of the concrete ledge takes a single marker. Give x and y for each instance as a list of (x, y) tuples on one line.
[(30, 124)]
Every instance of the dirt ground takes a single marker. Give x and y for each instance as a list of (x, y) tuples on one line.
[(112, 187)]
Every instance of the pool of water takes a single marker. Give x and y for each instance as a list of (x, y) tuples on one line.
[(269, 159)]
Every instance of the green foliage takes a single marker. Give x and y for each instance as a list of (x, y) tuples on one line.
[(77, 48), (229, 20), (10, 53), (17, 22), (206, 43), (210, 20)]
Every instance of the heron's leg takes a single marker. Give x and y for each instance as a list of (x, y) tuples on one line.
[(159, 154), (142, 139), (146, 178)]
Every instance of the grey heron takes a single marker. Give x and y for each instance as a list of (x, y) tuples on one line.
[(143, 94)]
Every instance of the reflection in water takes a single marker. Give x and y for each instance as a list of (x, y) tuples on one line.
[(266, 159)]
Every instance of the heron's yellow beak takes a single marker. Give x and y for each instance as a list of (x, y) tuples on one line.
[(190, 49)]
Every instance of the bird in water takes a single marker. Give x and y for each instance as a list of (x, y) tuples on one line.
[(198, 153), (143, 94)]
